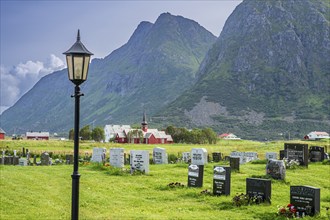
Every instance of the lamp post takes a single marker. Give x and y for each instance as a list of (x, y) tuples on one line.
[(77, 58)]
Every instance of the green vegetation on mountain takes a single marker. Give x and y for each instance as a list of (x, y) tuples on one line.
[(268, 72)]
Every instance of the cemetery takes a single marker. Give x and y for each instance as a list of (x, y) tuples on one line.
[(129, 182)]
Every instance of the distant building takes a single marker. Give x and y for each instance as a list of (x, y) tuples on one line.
[(110, 131), (2, 134), (37, 135), (143, 135), (229, 136), (316, 135)]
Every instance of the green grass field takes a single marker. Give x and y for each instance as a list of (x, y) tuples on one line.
[(44, 192)]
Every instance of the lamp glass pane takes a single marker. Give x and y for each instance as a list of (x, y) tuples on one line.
[(78, 67), (86, 64), (69, 63)]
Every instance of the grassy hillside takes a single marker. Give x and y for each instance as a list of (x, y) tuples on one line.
[(106, 193)]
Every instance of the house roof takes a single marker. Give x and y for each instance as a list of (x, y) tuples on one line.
[(2, 131), (320, 133), (37, 134)]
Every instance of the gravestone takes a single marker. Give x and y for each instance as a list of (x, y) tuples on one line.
[(259, 188), (159, 156), (44, 159), (8, 160), (15, 160), (245, 157), (297, 152), (98, 155), (15, 153), (234, 163), (198, 156), (306, 199), (68, 159), (117, 157), (276, 169), (186, 157), (216, 156), (23, 162), (23, 150), (221, 180), (271, 156), (316, 154), (35, 159), (282, 154), (195, 175), (3, 157), (139, 160)]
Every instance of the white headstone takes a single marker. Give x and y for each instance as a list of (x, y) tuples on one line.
[(117, 157), (22, 162), (271, 155), (198, 156), (139, 160), (244, 157), (98, 155), (15, 153), (159, 156), (186, 157)]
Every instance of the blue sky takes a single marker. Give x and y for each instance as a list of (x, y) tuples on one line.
[(34, 34)]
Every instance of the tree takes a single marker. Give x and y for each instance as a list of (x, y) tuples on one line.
[(71, 134), (210, 135), (98, 134), (85, 133)]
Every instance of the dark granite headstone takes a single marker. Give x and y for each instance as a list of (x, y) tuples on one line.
[(216, 156), (221, 180), (69, 159), (195, 175), (316, 154), (306, 199), (234, 163), (297, 152), (8, 160), (259, 188), (15, 160), (35, 159), (282, 154), (44, 159), (276, 169)]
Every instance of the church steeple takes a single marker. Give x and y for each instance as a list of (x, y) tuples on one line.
[(144, 122)]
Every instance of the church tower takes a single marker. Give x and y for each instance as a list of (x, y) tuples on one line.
[(144, 122)]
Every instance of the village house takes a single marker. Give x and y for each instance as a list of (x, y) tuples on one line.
[(110, 131), (143, 135), (37, 135), (2, 134), (229, 136), (316, 135)]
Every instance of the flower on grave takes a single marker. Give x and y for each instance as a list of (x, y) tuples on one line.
[(288, 211)]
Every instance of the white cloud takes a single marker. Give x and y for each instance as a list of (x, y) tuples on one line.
[(16, 81)]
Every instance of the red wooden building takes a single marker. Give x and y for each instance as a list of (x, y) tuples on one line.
[(2, 134), (143, 135)]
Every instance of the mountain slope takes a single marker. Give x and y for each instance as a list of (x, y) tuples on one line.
[(268, 72), (156, 65)]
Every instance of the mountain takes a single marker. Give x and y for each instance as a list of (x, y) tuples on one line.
[(153, 68), (267, 75)]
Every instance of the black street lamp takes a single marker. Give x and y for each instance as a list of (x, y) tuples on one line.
[(77, 58)]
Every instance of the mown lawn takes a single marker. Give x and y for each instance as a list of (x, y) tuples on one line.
[(44, 192)]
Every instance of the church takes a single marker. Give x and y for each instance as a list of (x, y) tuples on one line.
[(143, 135)]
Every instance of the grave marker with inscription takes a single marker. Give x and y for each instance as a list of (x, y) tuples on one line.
[(186, 157), (276, 169), (117, 157), (216, 156), (259, 188), (271, 156), (316, 154), (306, 200), (139, 160), (159, 156), (297, 152), (234, 163), (199, 156), (195, 175), (44, 159), (221, 180), (98, 155)]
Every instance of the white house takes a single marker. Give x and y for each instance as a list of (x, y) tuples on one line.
[(229, 136), (110, 131), (316, 135)]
